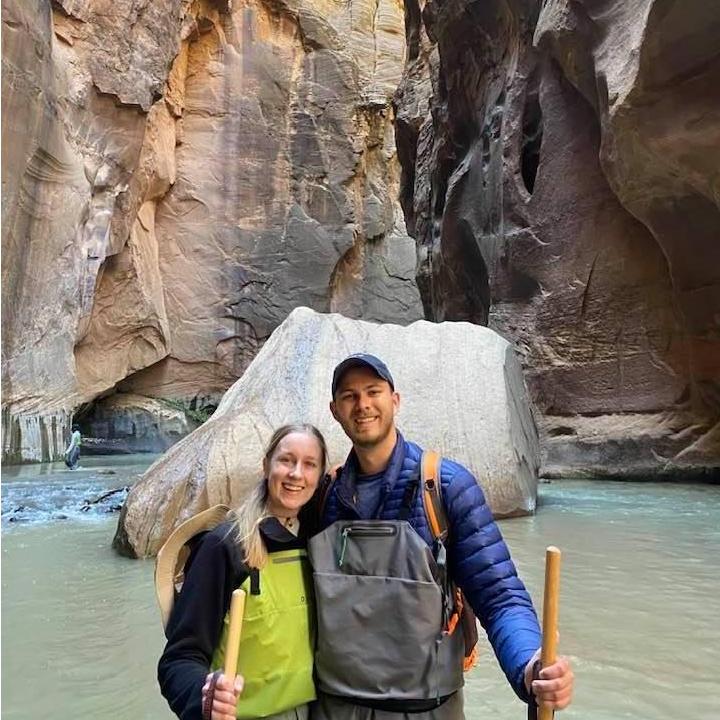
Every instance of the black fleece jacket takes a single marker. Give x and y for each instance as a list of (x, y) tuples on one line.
[(215, 569)]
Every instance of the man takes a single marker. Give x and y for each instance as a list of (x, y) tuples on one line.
[(72, 452), (384, 650)]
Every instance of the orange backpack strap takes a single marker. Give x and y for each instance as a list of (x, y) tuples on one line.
[(462, 615), (432, 494)]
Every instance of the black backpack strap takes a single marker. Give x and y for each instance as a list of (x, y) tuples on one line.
[(408, 499), (254, 581), (323, 491)]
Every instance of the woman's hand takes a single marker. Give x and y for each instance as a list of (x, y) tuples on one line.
[(224, 696)]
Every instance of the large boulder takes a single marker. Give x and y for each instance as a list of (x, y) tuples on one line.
[(461, 391)]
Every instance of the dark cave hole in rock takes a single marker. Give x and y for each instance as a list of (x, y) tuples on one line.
[(522, 286), (111, 429), (561, 431), (531, 139)]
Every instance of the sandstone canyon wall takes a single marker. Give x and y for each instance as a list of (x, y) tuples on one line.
[(177, 176), (561, 178)]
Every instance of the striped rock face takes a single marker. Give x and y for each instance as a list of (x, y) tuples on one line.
[(564, 191), (461, 391), (177, 177)]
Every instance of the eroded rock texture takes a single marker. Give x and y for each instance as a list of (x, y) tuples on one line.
[(560, 175), (177, 176)]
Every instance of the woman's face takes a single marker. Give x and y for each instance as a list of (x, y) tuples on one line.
[(293, 473)]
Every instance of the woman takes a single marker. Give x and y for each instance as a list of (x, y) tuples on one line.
[(261, 550)]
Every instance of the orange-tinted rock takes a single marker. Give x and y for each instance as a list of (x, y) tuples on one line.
[(176, 180)]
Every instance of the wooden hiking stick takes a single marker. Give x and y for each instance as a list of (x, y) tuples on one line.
[(237, 609), (550, 617)]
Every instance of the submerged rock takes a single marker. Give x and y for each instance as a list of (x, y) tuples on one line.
[(461, 391), (109, 502)]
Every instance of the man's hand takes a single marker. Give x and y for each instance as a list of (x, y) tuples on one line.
[(555, 686), (225, 696)]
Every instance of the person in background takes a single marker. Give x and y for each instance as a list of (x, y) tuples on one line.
[(72, 452), (261, 548), (385, 649)]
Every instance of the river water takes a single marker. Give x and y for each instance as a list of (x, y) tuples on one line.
[(639, 613)]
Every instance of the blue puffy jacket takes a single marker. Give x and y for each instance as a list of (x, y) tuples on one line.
[(478, 559)]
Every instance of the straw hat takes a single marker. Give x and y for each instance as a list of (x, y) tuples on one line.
[(170, 562)]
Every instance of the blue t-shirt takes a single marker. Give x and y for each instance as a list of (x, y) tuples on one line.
[(368, 489)]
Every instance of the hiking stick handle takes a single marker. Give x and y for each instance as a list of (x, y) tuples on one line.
[(237, 609), (550, 617)]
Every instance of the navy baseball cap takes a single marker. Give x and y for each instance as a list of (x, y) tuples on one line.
[(361, 360)]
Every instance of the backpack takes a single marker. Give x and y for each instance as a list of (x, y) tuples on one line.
[(173, 558), (459, 611)]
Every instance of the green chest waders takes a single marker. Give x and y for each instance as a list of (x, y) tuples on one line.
[(276, 646)]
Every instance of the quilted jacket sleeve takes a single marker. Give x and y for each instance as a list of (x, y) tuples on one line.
[(480, 563)]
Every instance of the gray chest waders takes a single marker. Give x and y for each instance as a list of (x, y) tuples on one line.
[(382, 613)]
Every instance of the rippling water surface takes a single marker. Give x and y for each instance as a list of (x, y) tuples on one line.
[(39, 494), (639, 614)]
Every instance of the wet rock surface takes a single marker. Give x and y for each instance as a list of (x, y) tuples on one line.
[(557, 179)]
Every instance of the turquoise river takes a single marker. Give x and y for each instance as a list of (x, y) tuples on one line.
[(639, 612)]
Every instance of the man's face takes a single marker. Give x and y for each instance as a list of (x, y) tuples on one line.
[(365, 406)]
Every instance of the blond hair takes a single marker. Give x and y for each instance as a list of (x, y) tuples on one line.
[(254, 509)]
